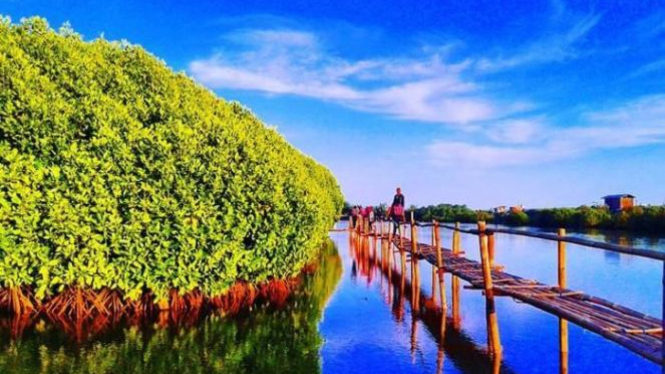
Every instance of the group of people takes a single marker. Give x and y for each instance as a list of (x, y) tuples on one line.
[(395, 212)]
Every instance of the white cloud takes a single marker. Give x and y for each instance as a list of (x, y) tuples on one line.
[(483, 156), (517, 131), (555, 47), (278, 38), (293, 62), (523, 142)]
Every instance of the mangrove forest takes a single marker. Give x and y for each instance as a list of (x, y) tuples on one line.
[(125, 186)]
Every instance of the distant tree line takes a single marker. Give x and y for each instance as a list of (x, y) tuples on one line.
[(640, 218), (649, 218), (450, 213)]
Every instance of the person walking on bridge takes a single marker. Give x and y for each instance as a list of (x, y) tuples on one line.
[(397, 210)]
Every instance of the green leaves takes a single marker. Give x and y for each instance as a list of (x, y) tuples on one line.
[(116, 172)]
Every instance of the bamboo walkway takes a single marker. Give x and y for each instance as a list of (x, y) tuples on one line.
[(636, 331)]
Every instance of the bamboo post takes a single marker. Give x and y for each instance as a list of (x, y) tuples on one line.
[(563, 281), (456, 239), (563, 324), (415, 254), (399, 232), (492, 324), (440, 272), (415, 276), (496, 363), (389, 254), (403, 259), (482, 236), (390, 234), (456, 302), (490, 247), (439, 264), (434, 268), (414, 239), (455, 280)]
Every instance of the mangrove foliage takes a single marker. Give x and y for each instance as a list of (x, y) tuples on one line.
[(117, 173)]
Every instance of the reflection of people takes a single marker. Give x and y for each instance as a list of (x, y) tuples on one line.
[(397, 210)]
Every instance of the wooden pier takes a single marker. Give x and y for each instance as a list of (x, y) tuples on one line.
[(638, 332)]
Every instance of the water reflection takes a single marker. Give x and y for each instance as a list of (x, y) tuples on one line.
[(453, 343), (265, 340)]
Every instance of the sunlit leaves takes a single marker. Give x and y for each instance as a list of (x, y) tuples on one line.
[(116, 172)]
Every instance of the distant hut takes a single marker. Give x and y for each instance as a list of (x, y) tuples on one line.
[(617, 203), (517, 208)]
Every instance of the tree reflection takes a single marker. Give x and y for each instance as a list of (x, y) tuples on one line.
[(268, 339)]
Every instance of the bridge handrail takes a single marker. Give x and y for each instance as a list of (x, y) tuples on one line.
[(568, 239)]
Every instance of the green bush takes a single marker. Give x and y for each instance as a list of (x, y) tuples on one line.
[(448, 213), (517, 219), (116, 172)]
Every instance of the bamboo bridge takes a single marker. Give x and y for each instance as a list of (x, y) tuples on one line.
[(638, 332)]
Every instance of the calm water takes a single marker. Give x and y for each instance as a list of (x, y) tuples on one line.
[(348, 317)]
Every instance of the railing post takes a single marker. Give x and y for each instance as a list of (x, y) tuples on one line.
[(490, 247), (563, 281), (492, 324), (563, 324), (414, 238), (440, 272), (390, 233), (399, 232), (415, 271), (455, 280), (434, 267), (456, 239)]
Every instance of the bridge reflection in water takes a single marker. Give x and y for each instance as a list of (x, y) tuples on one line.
[(399, 280)]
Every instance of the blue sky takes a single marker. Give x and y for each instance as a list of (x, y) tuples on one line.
[(485, 103)]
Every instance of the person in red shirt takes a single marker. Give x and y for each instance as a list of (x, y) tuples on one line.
[(397, 210)]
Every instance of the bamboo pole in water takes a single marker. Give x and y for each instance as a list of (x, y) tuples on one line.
[(415, 277), (415, 257), (492, 324), (442, 286), (456, 302), (563, 349), (455, 281), (563, 324)]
